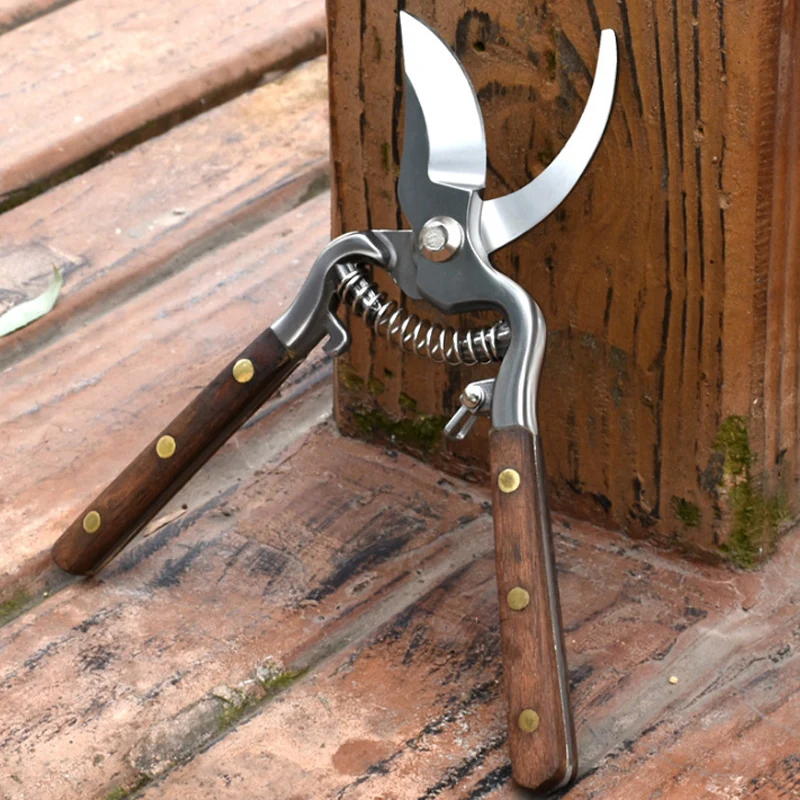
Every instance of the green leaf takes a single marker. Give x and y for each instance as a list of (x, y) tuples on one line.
[(23, 314)]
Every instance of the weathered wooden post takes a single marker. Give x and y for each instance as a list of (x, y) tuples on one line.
[(670, 278)]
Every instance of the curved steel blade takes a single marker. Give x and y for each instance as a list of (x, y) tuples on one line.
[(444, 142), (505, 218)]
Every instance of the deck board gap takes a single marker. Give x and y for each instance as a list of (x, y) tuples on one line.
[(16, 13), (150, 129)]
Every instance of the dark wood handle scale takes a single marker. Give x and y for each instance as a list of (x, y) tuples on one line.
[(540, 729), (167, 463)]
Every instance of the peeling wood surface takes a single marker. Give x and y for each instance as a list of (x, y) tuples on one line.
[(14, 13), (287, 591), (312, 616), (379, 600), (75, 81), (155, 228), (668, 278), (82, 408), (149, 212)]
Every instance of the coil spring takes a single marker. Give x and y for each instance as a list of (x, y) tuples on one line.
[(413, 334)]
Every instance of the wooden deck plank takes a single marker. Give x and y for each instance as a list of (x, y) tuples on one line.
[(744, 744), (79, 79), (735, 733), (416, 710), (129, 222), (14, 13), (258, 575), (75, 413), (386, 719), (376, 575)]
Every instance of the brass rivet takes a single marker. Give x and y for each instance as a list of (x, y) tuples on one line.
[(243, 370), (166, 447), (508, 480), (528, 720), (518, 598), (91, 522)]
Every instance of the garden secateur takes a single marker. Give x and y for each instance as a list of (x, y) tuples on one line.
[(444, 260)]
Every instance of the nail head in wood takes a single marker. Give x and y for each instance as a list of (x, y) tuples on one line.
[(508, 480), (166, 447), (243, 370), (91, 522), (528, 720), (518, 599)]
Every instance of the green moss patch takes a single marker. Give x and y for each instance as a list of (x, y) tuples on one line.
[(239, 704), (421, 432), (353, 382), (407, 403), (375, 387), (274, 684), (231, 713), (14, 606), (754, 517), (121, 792), (688, 513), (733, 442), (349, 378)]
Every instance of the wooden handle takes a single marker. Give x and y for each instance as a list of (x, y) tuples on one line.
[(167, 463), (541, 735)]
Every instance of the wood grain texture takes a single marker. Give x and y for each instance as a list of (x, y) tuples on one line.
[(667, 279), (542, 759), (415, 709), (383, 590), (76, 412), (156, 475), (14, 13), (151, 212), (251, 575), (112, 70)]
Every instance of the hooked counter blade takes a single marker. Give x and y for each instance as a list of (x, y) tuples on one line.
[(444, 142), (505, 218)]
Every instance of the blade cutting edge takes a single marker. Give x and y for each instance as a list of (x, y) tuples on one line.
[(503, 219)]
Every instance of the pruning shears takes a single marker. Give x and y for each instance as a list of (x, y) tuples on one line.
[(444, 259)]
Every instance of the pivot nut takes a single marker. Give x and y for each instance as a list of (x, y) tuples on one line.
[(472, 397), (440, 238)]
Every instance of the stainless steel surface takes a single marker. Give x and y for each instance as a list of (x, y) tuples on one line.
[(313, 313), (476, 400), (472, 397), (468, 282), (403, 267), (440, 238), (543, 504), (454, 140), (444, 259), (442, 344), (505, 218)]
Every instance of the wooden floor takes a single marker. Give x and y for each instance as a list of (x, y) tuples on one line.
[(312, 617)]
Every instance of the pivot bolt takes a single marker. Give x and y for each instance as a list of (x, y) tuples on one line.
[(440, 238)]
